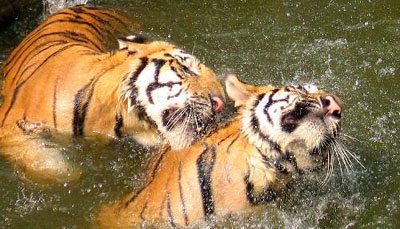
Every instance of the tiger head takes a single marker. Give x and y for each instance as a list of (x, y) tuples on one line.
[(295, 125), (178, 95)]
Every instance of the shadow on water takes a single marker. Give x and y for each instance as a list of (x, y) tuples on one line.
[(350, 48)]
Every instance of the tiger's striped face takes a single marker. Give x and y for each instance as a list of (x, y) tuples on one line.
[(179, 95), (292, 121)]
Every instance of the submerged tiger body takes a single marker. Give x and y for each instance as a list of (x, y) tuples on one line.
[(62, 77), (278, 134)]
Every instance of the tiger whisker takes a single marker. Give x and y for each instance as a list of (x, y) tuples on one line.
[(177, 115), (174, 117), (352, 155), (346, 158), (195, 119), (200, 103), (346, 136), (187, 119), (340, 157), (329, 171)]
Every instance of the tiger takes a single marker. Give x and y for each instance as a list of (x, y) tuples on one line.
[(278, 134), (64, 77)]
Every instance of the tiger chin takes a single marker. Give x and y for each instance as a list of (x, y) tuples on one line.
[(278, 134), (62, 77)]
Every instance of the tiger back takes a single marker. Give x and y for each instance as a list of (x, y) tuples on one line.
[(63, 77), (279, 134)]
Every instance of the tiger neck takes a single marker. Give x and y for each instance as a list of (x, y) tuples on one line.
[(267, 172), (117, 67), (250, 128)]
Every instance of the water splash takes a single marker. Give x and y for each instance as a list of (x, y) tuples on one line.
[(52, 6)]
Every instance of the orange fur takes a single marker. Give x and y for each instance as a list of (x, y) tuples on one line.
[(63, 76), (230, 170)]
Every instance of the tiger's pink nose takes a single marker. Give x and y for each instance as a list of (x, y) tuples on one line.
[(218, 103), (332, 106)]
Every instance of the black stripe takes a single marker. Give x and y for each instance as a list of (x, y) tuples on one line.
[(224, 139), (176, 95), (130, 53), (132, 80), (185, 216), (80, 10), (265, 195), (23, 72), (78, 37), (176, 71), (255, 124), (158, 63), (269, 163), (38, 30), (44, 26), (82, 100), (158, 163), (81, 104), (106, 13), (26, 57), (32, 57), (269, 103), (95, 28), (16, 91), (205, 164), (119, 122), (292, 160), (232, 142), (114, 17), (169, 210), (256, 127), (133, 198), (155, 85)]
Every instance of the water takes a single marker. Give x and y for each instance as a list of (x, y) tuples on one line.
[(350, 48)]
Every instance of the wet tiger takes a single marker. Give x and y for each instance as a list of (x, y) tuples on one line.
[(62, 77), (278, 134)]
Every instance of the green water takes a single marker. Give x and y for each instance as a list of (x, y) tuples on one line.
[(350, 48)]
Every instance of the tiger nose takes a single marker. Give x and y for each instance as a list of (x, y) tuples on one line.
[(218, 103), (332, 106)]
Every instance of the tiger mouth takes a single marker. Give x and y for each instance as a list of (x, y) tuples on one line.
[(193, 119)]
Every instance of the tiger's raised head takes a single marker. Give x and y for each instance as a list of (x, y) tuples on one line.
[(299, 122), (179, 94)]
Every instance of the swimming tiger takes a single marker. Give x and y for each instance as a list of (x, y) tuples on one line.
[(62, 77), (278, 134)]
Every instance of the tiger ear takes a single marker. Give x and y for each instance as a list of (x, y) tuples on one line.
[(239, 92), (130, 41)]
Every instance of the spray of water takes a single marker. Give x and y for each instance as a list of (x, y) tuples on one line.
[(52, 6)]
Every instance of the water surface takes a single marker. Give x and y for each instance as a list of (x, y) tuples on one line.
[(350, 48)]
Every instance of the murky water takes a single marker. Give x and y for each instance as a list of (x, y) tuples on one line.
[(351, 48)]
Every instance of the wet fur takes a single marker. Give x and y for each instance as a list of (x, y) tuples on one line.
[(63, 76), (236, 167)]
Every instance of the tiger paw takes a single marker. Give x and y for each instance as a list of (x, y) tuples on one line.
[(47, 166), (32, 127)]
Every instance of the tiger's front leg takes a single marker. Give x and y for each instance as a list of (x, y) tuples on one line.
[(38, 159)]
